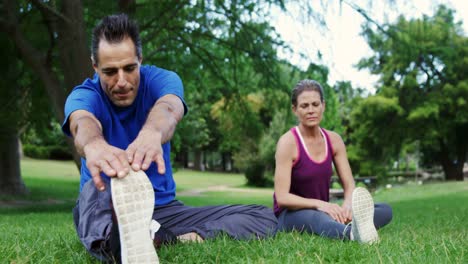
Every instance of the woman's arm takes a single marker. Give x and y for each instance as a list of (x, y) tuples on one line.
[(343, 169)]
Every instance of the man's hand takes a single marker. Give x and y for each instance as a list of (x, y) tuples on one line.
[(145, 149), (335, 211), (102, 157)]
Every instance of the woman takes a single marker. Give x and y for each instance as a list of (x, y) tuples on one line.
[(304, 157)]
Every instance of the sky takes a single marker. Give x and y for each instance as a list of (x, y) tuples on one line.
[(340, 43)]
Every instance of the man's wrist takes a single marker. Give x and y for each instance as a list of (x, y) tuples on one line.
[(152, 133), (93, 143)]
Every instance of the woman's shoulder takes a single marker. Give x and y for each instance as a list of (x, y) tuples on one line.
[(332, 135), (286, 145), (335, 140), (287, 138)]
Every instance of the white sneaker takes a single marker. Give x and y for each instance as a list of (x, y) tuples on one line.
[(363, 229), (133, 200)]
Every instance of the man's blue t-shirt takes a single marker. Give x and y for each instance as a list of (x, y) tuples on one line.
[(121, 125)]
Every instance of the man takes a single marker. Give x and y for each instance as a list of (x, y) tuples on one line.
[(122, 121)]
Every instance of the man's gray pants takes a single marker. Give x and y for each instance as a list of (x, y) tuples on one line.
[(93, 219)]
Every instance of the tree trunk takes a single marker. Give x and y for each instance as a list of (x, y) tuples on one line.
[(198, 163), (227, 162), (453, 172), (10, 173), (183, 158), (75, 57), (453, 169), (68, 25)]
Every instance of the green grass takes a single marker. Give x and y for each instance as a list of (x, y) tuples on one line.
[(188, 180), (429, 224)]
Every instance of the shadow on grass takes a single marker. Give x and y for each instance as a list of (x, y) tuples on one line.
[(45, 196), (37, 209)]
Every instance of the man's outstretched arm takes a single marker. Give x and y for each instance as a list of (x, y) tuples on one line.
[(90, 144), (157, 130)]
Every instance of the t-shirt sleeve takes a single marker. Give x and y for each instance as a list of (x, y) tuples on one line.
[(166, 82), (81, 98)]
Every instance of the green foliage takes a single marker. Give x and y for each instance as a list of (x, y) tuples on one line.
[(254, 173), (423, 69), (370, 120), (281, 123), (46, 143), (47, 152)]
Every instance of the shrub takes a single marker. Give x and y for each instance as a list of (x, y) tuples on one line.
[(47, 152), (255, 174)]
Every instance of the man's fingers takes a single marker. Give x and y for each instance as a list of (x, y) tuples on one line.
[(107, 169), (160, 163), (119, 164), (94, 170), (137, 160), (130, 153), (148, 159)]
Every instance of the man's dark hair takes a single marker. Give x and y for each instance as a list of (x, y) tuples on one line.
[(114, 29)]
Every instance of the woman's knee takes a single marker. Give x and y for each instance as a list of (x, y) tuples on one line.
[(383, 215), (301, 220)]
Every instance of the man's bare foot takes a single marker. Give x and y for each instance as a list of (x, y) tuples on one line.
[(190, 237)]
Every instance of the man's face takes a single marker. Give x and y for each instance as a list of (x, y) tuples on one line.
[(118, 68)]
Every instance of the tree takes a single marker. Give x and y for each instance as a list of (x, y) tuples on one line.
[(59, 58), (10, 119), (423, 68), (189, 37), (212, 44)]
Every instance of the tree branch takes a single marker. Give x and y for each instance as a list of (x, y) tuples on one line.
[(210, 62), (175, 10), (46, 8), (365, 15), (32, 56)]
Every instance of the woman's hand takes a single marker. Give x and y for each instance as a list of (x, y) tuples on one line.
[(334, 211), (347, 208)]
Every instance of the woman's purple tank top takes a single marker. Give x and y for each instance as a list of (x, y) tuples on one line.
[(310, 179)]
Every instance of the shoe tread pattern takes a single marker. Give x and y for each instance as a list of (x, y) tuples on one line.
[(133, 201), (363, 227)]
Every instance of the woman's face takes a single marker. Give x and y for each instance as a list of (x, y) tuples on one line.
[(309, 109)]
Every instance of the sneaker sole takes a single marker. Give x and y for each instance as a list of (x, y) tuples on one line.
[(133, 200), (363, 228)]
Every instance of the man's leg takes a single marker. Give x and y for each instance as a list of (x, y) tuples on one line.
[(92, 216), (237, 221)]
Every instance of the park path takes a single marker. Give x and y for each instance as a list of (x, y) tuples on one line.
[(223, 188), (334, 193)]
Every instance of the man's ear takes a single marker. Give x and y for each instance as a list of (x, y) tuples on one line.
[(94, 64)]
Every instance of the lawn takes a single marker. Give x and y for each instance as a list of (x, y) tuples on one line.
[(429, 224)]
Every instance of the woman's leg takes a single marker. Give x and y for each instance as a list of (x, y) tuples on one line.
[(382, 215), (320, 223), (312, 221)]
